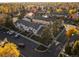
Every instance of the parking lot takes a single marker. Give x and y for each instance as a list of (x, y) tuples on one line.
[(30, 46)]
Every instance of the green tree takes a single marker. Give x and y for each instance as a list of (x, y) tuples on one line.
[(68, 49), (46, 35), (76, 48)]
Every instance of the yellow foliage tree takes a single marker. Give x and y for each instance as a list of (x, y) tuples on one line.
[(59, 10), (9, 50), (76, 43), (70, 30), (71, 11)]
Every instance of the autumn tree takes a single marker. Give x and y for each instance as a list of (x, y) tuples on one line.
[(2, 19), (9, 50)]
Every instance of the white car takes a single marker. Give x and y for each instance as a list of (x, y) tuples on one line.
[(16, 35), (10, 32), (45, 16)]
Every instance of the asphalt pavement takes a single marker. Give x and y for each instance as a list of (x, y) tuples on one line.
[(29, 50)]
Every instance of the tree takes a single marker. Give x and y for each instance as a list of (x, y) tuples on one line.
[(46, 34), (68, 49), (9, 50), (51, 30), (2, 19), (70, 30), (55, 26), (76, 48), (76, 21), (8, 21)]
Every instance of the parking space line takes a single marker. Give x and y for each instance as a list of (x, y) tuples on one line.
[(30, 39)]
